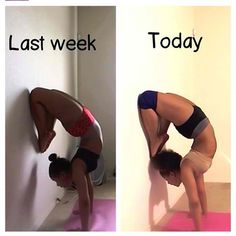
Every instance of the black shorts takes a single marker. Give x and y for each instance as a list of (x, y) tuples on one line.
[(89, 158)]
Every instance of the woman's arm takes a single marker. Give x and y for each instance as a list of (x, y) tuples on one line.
[(90, 190), (80, 180), (202, 193), (189, 182)]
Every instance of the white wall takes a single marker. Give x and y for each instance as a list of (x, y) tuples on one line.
[(212, 82), (30, 194), (97, 73), (144, 194)]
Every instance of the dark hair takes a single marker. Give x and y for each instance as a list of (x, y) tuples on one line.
[(58, 165), (167, 161)]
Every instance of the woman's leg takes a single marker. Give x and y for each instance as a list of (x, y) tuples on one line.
[(155, 130), (44, 121), (154, 127), (164, 125), (67, 96)]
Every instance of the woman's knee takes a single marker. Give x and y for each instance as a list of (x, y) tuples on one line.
[(36, 94)]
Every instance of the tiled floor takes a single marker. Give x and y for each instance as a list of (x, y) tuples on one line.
[(218, 200), (58, 216)]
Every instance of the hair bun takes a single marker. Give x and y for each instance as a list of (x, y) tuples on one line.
[(52, 157)]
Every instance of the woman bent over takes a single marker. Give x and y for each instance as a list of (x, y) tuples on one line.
[(47, 106), (157, 110)]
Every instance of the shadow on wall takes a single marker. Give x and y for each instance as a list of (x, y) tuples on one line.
[(28, 198), (158, 192), (21, 172)]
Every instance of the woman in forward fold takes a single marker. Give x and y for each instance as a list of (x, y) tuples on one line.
[(156, 111), (47, 106)]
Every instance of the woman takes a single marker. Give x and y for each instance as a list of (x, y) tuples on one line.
[(156, 111), (49, 105)]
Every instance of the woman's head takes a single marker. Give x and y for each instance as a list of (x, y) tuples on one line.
[(168, 163), (60, 170)]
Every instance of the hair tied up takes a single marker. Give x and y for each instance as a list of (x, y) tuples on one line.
[(52, 157)]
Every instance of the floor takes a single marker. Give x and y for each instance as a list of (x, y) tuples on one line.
[(58, 216), (218, 198), (218, 195)]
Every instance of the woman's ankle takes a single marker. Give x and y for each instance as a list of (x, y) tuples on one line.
[(158, 144), (45, 140)]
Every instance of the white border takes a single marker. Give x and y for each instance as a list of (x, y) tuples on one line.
[(116, 3)]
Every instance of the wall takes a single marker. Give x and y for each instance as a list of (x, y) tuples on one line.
[(97, 73), (30, 194), (144, 196), (212, 82)]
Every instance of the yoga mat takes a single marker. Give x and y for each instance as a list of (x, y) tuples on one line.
[(214, 221), (103, 217)]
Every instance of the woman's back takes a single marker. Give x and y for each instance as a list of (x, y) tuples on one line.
[(174, 108), (178, 110)]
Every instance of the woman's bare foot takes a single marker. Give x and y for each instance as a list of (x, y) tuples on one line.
[(159, 143), (46, 140)]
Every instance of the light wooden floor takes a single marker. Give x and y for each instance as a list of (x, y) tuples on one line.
[(218, 199)]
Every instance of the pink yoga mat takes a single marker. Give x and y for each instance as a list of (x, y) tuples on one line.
[(103, 217), (214, 221)]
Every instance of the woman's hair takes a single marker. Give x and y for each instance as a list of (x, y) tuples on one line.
[(58, 165), (167, 161)]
